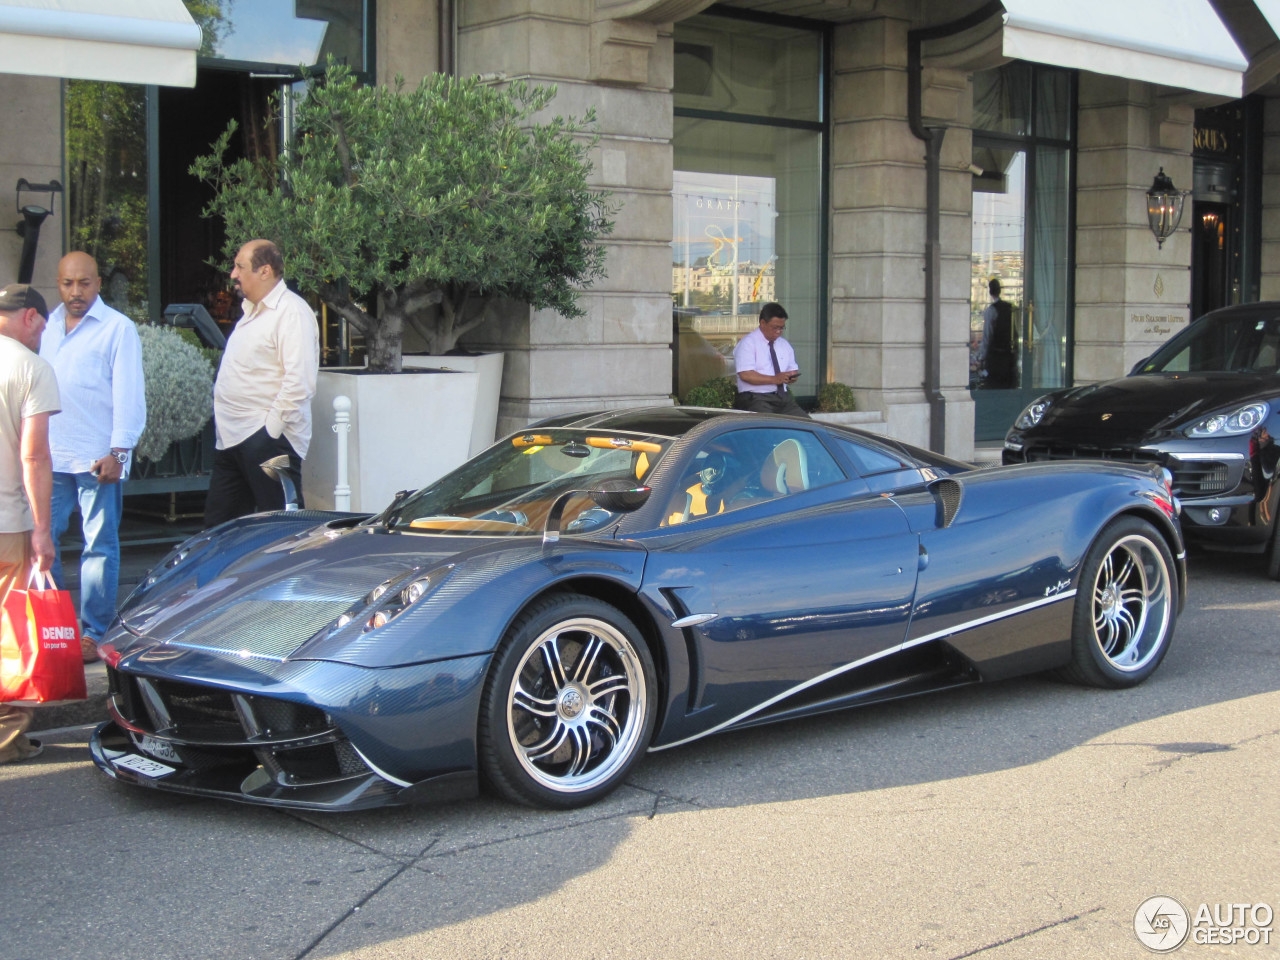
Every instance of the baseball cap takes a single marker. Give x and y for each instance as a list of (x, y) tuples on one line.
[(19, 296)]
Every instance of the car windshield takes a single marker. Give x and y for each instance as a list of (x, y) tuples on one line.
[(509, 489), (1235, 343)]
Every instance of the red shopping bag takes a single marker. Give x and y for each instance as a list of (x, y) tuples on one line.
[(40, 645)]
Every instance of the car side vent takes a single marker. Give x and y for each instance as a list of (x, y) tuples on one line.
[(947, 493)]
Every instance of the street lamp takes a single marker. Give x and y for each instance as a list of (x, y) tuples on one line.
[(1164, 207)]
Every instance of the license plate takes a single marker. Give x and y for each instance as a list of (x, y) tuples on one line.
[(160, 749), (143, 765)]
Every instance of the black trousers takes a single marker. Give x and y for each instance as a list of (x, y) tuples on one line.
[(767, 403), (238, 485)]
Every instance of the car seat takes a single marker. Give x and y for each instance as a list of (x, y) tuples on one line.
[(786, 470)]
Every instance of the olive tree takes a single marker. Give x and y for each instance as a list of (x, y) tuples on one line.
[(422, 209)]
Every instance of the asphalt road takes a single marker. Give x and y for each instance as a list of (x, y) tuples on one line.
[(1027, 819)]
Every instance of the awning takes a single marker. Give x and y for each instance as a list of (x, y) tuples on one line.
[(126, 41), (1177, 43)]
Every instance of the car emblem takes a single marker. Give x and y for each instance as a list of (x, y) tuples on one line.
[(1106, 416), (571, 703)]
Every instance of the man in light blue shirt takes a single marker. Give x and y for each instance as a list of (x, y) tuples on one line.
[(97, 356)]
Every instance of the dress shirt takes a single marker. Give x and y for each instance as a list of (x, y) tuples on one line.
[(752, 353), (104, 400), (268, 372)]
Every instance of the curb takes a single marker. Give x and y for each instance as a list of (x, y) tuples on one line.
[(74, 713)]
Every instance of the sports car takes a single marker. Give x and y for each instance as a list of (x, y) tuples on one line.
[(1206, 405), (598, 586)]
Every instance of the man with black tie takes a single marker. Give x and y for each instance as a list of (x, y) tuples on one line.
[(766, 366)]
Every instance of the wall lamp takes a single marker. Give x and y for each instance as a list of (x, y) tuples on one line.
[(33, 216), (1164, 207)]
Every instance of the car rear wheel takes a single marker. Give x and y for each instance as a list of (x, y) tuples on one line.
[(569, 704), (1125, 608)]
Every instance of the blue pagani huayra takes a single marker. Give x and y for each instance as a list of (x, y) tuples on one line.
[(602, 585)]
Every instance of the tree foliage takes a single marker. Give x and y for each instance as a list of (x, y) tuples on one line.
[(422, 208)]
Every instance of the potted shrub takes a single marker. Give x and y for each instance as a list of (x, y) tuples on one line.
[(178, 381), (836, 404), (420, 211), (716, 392)]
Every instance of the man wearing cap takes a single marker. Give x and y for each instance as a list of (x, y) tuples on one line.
[(28, 397), (97, 355)]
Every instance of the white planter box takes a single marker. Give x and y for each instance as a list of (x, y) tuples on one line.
[(488, 369), (407, 430), (868, 420)]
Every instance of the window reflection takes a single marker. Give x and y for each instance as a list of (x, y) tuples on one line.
[(284, 32), (105, 127)]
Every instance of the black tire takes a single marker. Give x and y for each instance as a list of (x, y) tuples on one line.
[(1125, 608), (569, 704), (1273, 552)]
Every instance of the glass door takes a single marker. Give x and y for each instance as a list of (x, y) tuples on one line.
[(1020, 265)]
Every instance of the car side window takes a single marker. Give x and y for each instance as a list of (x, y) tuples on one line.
[(872, 458), (744, 467)]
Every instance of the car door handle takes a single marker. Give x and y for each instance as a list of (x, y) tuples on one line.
[(922, 560)]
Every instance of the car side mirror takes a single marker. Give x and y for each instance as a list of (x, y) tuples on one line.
[(1137, 367), (614, 494), (620, 496), (280, 470)]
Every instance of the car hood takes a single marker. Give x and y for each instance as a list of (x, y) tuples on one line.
[(1143, 407), (270, 601)]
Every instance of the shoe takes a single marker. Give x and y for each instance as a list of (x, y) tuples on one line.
[(32, 750), (89, 650)]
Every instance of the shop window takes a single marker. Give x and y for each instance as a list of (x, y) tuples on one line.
[(748, 192)]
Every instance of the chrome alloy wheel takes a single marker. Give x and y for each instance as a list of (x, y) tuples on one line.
[(1132, 603), (576, 705)]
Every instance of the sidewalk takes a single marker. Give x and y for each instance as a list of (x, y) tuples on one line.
[(144, 543)]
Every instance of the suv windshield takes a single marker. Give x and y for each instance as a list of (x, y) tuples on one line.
[(509, 489), (1235, 343)]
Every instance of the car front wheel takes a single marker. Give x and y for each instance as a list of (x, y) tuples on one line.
[(1273, 552), (1125, 607), (569, 704)]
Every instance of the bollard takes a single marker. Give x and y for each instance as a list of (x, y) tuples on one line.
[(342, 426)]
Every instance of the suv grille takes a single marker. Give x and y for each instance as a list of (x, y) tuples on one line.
[(1191, 478)]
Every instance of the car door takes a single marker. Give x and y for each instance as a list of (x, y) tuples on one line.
[(793, 571)]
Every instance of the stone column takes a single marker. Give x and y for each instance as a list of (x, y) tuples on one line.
[(1131, 295), (619, 353), (408, 40), (878, 225)]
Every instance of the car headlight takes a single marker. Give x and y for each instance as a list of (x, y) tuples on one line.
[(391, 598), (1244, 420), (1033, 413)]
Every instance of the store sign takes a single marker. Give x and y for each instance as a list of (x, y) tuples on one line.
[(1210, 140)]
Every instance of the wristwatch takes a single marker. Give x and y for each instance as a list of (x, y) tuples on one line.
[(121, 456)]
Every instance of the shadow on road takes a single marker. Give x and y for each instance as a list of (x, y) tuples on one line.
[(252, 882)]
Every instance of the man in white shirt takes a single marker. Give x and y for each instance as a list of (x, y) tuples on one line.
[(262, 397), (97, 355), (766, 366)]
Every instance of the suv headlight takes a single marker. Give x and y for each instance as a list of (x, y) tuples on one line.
[(1033, 413), (1246, 419)]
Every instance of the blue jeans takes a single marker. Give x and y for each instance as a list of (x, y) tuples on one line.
[(100, 507)]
